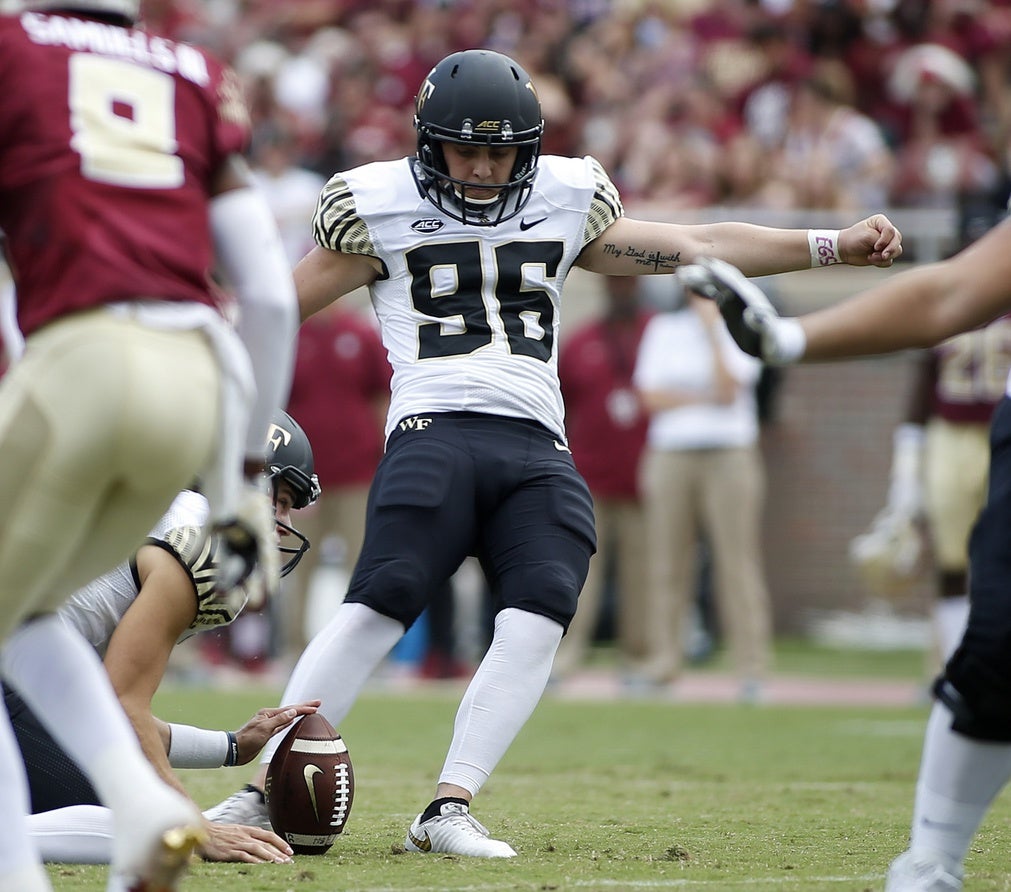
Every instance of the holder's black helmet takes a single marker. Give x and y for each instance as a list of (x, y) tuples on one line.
[(477, 97), (289, 458)]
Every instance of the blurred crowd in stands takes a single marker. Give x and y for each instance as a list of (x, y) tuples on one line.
[(776, 105), (836, 104)]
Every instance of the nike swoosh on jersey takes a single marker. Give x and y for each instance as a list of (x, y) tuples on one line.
[(424, 844), (524, 225), (561, 447), (308, 773)]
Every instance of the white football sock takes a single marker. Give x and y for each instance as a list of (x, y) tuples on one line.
[(501, 696), (28, 878), (77, 834), (950, 618), (20, 867), (337, 662), (959, 779), (64, 683)]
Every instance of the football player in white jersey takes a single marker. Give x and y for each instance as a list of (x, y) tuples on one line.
[(133, 616), (465, 249), (966, 759)]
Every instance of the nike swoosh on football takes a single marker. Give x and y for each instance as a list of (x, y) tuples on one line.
[(308, 773), (525, 226), (424, 844)]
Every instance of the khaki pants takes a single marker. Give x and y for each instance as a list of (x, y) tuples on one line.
[(102, 422), (716, 493), (956, 470), (620, 539)]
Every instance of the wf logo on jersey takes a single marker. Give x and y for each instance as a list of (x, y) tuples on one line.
[(414, 423)]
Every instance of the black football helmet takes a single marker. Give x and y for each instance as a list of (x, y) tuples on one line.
[(477, 97), (289, 458)]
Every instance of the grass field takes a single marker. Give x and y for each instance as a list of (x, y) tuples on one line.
[(616, 794)]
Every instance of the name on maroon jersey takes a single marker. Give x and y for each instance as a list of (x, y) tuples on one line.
[(111, 40)]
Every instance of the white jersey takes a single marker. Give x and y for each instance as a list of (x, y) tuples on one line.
[(469, 315), (96, 609)]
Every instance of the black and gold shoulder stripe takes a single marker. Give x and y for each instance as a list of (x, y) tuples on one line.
[(336, 224), (197, 553), (606, 205)]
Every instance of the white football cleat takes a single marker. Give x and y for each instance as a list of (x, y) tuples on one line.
[(455, 832), (923, 872), (154, 846), (247, 806)]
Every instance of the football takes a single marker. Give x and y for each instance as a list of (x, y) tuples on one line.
[(310, 786)]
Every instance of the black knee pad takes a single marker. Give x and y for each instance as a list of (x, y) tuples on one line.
[(550, 588), (979, 699), (395, 588)]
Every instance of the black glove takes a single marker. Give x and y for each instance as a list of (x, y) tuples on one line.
[(751, 319)]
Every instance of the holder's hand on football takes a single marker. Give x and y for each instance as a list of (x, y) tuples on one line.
[(751, 318), (253, 736), (237, 842)]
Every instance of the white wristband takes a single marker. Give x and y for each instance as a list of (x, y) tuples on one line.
[(191, 747), (824, 246)]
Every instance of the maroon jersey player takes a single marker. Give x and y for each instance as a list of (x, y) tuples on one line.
[(121, 187), (960, 382)]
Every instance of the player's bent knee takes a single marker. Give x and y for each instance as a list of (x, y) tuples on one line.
[(551, 590), (395, 588), (979, 700)]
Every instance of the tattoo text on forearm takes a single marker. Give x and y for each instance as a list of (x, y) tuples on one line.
[(641, 257)]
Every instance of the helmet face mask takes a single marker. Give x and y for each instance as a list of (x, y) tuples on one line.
[(289, 460), (477, 98), (291, 554)]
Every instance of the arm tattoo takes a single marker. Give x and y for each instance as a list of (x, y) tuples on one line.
[(655, 261)]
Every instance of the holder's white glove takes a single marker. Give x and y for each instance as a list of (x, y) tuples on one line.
[(247, 553), (751, 318)]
